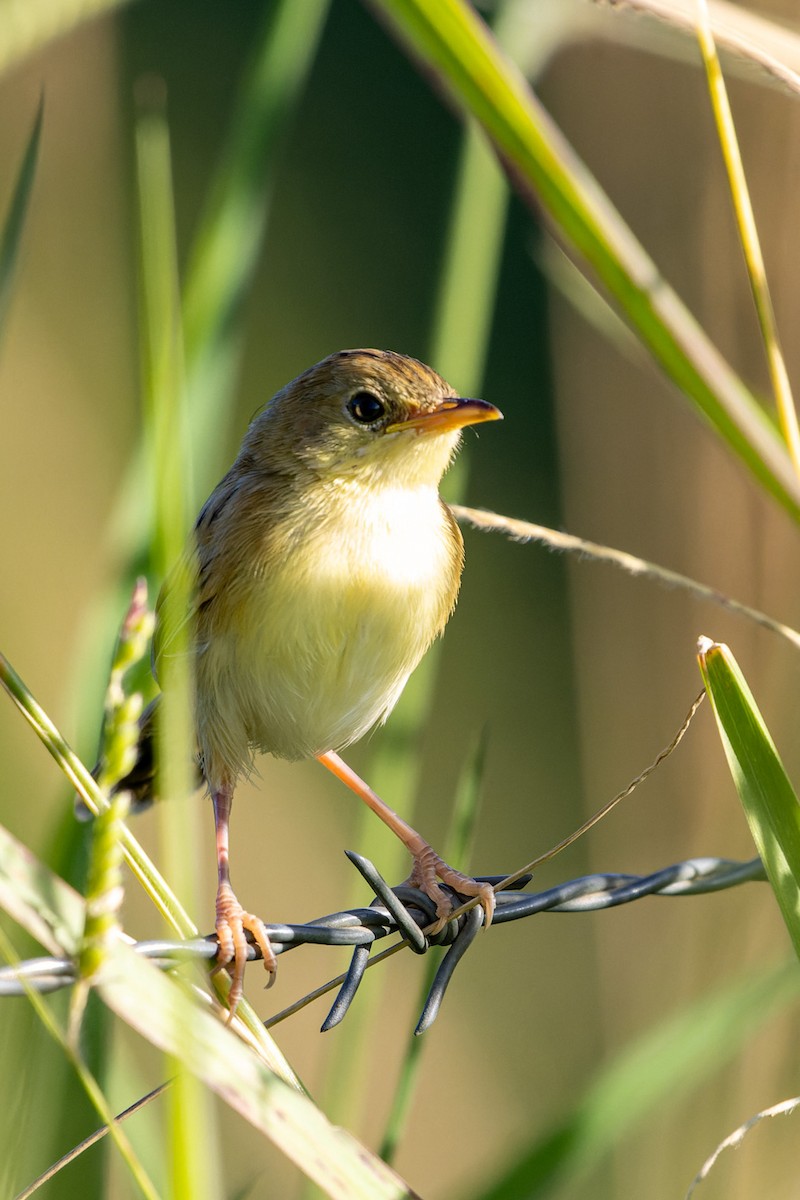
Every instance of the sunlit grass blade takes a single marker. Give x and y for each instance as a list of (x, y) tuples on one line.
[(661, 1068), (748, 234), (767, 796), (81, 780), (11, 235), (735, 1139), (157, 1006), (457, 48)]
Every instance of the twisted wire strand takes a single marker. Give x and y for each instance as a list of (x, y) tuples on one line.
[(406, 911)]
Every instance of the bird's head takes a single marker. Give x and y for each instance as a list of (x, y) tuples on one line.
[(370, 414)]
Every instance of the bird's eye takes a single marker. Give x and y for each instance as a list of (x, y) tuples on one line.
[(365, 408)]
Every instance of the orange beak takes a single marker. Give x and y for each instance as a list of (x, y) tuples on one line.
[(449, 415)]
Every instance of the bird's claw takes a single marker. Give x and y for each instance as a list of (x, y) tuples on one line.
[(428, 868), (232, 924)]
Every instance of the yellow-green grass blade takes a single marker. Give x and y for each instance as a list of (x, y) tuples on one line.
[(457, 48), (661, 1068), (767, 796), (748, 235), (157, 1006), (89, 1085)]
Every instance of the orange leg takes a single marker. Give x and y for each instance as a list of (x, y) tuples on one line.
[(428, 866), (232, 920)]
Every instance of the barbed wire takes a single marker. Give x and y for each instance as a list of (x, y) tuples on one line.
[(406, 911)]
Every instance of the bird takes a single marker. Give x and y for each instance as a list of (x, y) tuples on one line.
[(323, 565)]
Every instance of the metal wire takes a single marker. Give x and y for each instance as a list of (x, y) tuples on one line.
[(407, 911)]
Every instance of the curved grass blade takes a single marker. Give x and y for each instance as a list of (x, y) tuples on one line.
[(767, 796), (157, 1006), (457, 48)]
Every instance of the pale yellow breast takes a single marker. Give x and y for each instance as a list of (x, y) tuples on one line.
[(320, 644)]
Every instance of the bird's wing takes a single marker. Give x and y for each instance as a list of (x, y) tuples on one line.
[(192, 583)]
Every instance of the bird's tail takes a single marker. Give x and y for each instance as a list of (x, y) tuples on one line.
[(139, 783)]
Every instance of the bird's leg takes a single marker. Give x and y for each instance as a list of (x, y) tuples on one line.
[(232, 920), (428, 866)]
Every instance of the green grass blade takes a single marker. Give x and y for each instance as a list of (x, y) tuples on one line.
[(767, 796), (157, 1006), (660, 1068), (456, 46), (14, 224), (81, 780)]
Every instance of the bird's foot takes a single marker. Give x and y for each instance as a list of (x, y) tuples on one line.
[(232, 924), (429, 867)]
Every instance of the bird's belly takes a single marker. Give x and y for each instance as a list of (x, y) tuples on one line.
[(324, 685), (323, 648)]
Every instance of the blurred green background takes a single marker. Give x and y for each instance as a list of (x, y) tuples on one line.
[(579, 675)]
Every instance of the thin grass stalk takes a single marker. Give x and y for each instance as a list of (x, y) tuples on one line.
[(192, 1141), (81, 780), (748, 235), (570, 543)]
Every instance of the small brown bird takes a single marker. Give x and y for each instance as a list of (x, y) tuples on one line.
[(325, 564)]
